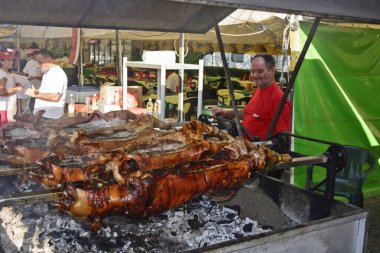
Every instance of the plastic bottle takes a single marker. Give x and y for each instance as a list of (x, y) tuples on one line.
[(151, 88), (149, 107), (156, 108), (94, 102), (116, 98), (71, 107), (87, 104)]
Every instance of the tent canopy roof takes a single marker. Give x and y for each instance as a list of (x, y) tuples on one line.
[(350, 10), (152, 15), (191, 16)]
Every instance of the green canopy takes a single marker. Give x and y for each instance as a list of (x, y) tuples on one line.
[(337, 93)]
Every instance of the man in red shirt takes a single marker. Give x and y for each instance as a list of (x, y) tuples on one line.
[(260, 110)]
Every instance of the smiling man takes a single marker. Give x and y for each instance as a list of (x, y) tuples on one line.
[(50, 97), (259, 112)]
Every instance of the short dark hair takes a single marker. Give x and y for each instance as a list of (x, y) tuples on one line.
[(46, 53), (268, 58)]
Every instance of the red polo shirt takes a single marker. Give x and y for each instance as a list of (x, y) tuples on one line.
[(260, 110)]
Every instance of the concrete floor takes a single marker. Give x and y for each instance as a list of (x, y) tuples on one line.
[(372, 205)]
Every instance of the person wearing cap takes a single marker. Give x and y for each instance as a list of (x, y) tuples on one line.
[(51, 95), (32, 68), (8, 89), (33, 71)]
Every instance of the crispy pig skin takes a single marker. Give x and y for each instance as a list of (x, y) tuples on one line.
[(121, 164), (153, 193), (145, 141), (23, 154), (211, 131), (145, 162)]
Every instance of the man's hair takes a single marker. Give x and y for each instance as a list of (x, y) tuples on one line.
[(268, 58), (46, 54)]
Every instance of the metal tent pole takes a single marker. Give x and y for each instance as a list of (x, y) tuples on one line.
[(18, 103), (228, 77), (81, 75), (181, 75), (124, 83), (118, 59), (293, 77)]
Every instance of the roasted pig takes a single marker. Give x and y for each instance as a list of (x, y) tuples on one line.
[(157, 191), (116, 165)]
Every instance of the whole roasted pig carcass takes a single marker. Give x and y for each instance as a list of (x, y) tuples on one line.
[(151, 193)]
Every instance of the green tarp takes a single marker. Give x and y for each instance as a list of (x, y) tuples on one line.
[(337, 94)]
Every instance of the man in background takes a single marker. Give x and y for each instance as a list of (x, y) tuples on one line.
[(260, 110), (50, 97), (172, 81), (33, 71)]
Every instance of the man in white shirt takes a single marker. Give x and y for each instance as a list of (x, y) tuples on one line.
[(172, 81), (32, 70), (50, 97)]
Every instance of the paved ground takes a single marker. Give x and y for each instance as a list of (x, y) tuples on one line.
[(372, 205)]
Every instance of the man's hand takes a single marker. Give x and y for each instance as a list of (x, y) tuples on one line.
[(31, 92), (228, 114), (216, 111), (18, 87)]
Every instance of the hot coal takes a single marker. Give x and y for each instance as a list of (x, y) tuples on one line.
[(202, 222)]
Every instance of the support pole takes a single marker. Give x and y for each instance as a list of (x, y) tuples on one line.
[(181, 75), (118, 69), (228, 77), (81, 75), (125, 83), (293, 77), (18, 103), (200, 88), (161, 74)]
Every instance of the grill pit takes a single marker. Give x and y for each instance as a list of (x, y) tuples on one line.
[(266, 215), (200, 223)]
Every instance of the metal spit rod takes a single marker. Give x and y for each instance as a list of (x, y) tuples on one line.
[(300, 161), (32, 197), (24, 169)]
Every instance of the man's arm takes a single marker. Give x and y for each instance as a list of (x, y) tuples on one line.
[(53, 97), (228, 114), (30, 78), (6, 92)]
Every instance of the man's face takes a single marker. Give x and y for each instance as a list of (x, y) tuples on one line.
[(44, 63), (33, 56), (261, 75)]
